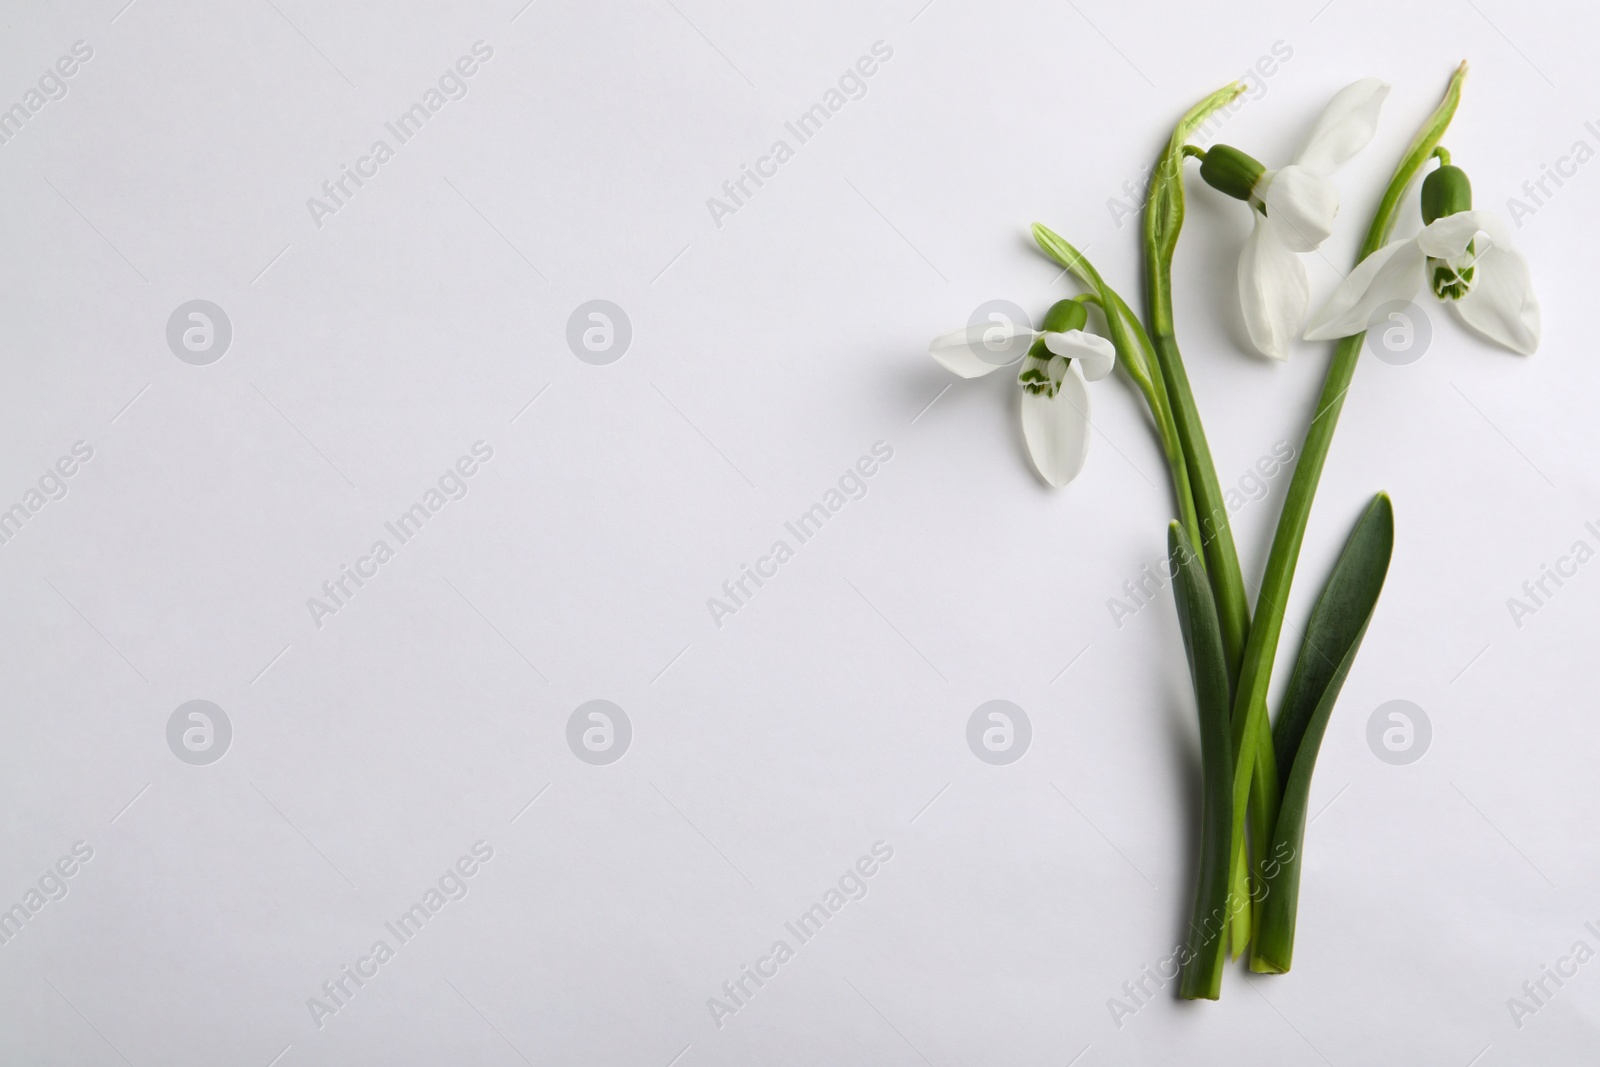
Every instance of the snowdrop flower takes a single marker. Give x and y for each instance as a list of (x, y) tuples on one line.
[(1054, 363), (1294, 208), (1464, 255)]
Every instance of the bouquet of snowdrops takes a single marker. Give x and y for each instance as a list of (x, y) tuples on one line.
[(1256, 768)]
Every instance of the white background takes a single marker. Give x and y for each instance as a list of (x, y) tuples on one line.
[(768, 354)]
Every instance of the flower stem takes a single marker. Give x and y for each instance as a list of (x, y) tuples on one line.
[(1137, 358), (1206, 950), (1250, 700), (1163, 220), (1155, 395)]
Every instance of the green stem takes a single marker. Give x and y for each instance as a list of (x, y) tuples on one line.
[(1163, 221), (1137, 358), (1206, 949), (1155, 395), (1250, 701)]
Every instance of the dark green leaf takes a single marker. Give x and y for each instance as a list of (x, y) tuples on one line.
[(1202, 640), (1338, 623)]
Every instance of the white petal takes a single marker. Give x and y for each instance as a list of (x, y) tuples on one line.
[(1057, 429), (1303, 204), (1501, 305), (1346, 125), (1273, 292), (982, 348), (1393, 272), (1095, 354), (1447, 238)]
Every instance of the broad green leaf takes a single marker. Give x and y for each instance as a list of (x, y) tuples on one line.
[(1332, 637), (1255, 674)]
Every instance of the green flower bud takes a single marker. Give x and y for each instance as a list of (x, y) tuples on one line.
[(1445, 192), (1230, 171), (1065, 315)]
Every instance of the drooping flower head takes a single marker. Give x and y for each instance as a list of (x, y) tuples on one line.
[(1293, 208), (1464, 256), (1055, 361)]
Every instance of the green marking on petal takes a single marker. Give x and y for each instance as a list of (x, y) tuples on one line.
[(1038, 374), (1452, 283)]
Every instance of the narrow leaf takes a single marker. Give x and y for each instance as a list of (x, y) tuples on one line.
[(1338, 623), (1202, 640)]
